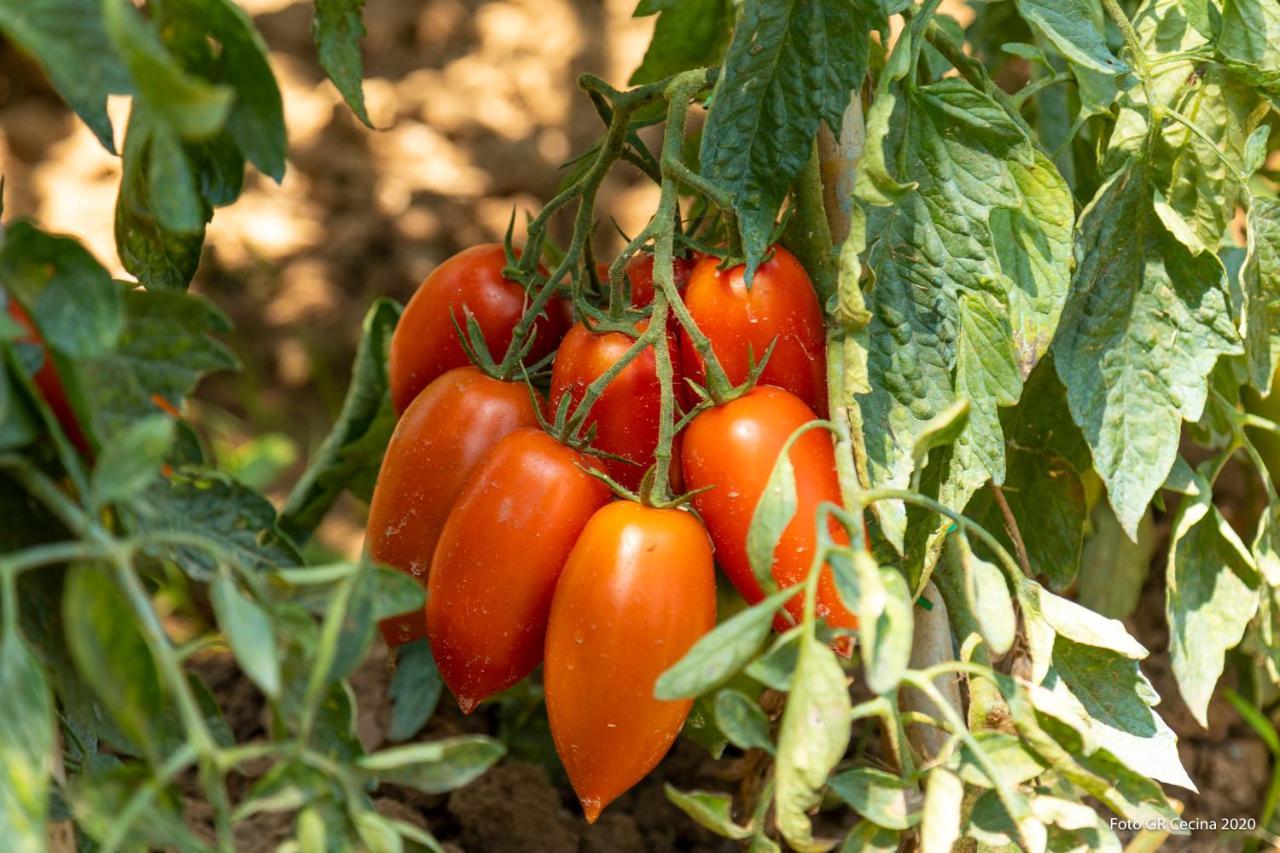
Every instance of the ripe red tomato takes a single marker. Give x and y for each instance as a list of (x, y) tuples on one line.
[(781, 304), (733, 448), (425, 343), (499, 556), (640, 270), (627, 414), (437, 444), (49, 383), (638, 591)]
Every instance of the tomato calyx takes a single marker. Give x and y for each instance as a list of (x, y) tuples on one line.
[(719, 390)]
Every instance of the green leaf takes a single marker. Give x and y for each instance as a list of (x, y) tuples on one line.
[(942, 430), (866, 837), (989, 600), (742, 721), (415, 690), (1114, 568), (1144, 327), (1249, 42), (1013, 762), (238, 521), (165, 349), (68, 40), (1074, 27), (351, 455), (722, 652), (880, 598), (688, 34), (1117, 701), (970, 252), (192, 107), (26, 745), (392, 592), (880, 797), (256, 120), (1196, 191), (354, 613), (708, 809), (1048, 617), (434, 767), (773, 512), (987, 375), (130, 460), (337, 31), (76, 306), (775, 668), (940, 816), (1211, 595), (700, 726), (788, 67), (113, 658), (98, 800), (177, 205), (247, 628), (162, 258), (811, 741), (1048, 502), (1260, 283)]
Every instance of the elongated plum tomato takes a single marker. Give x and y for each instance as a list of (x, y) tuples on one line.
[(627, 414), (49, 383), (640, 272), (738, 321), (732, 449), (639, 590), (426, 344), (499, 557), (439, 441)]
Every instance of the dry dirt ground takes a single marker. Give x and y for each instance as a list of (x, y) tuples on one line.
[(476, 108)]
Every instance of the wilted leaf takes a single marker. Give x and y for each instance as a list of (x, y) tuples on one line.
[(989, 600), (1211, 596), (711, 810), (811, 741), (1144, 327), (880, 797)]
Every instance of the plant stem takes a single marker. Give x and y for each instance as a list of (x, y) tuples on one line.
[(1011, 527)]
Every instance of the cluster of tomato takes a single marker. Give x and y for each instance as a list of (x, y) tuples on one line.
[(529, 559)]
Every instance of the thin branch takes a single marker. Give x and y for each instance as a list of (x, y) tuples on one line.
[(1011, 527)]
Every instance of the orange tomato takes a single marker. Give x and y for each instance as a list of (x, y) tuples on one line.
[(638, 591), (732, 449), (436, 445), (500, 553)]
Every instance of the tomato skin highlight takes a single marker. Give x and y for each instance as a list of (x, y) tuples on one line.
[(438, 442), (425, 343), (500, 554), (733, 448), (627, 415), (49, 384), (640, 271), (638, 591), (781, 304)]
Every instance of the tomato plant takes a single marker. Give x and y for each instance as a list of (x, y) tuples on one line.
[(439, 440), (500, 554), (638, 590), (1016, 267)]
